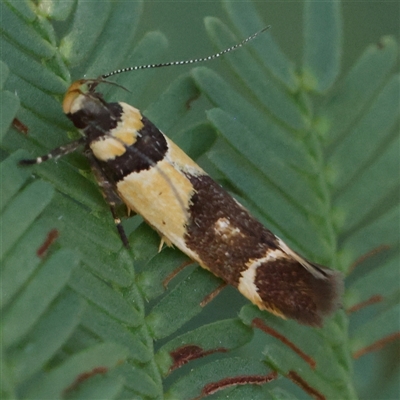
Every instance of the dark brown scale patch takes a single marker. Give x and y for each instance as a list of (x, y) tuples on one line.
[(150, 148), (286, 285), (226, 256), (96, 118), (283, 284)]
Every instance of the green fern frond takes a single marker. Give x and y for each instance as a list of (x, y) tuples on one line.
[(312, 153)]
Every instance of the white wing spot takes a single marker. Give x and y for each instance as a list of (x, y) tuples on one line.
[(224, 228)]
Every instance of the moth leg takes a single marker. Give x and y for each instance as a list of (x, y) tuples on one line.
[(55, 153), (164, 240), (108, 192)]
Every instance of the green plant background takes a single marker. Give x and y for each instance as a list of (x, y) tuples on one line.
[(309, 145)]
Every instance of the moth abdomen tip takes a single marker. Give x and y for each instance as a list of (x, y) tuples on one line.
[(287, 289)]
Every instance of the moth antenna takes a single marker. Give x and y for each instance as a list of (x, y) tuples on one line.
[(100, 79), (185, 62)]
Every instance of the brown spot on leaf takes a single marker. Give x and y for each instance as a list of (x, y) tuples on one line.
[(379, 344), (189, 102), (19, 126), (259, 323), (85, 376), (365, 256), (213, 387), (50, 239), (298, 380), (211, 296), (372, 300), (380, 45), (175, 272), (182, 355)]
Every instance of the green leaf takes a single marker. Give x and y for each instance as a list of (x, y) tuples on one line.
[(25, 34), (104, 297), (9, 103), (48, 335), (171, 313), (377, 329), (254, 392), (159, 268), (108, 329), (368, 136), (57, 10), (309, 352), (108, 355), (14, 178), (24, 8), (220, 336), (351, 200), (215, 376), (28, 308), (322, 44), (28, 211), (267, 92), (173, 104), (360, 85), (99, 386), (313, 158), (247, 19), (368, 285), (77, 45)]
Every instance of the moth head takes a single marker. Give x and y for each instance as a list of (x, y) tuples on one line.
[(78, 95)]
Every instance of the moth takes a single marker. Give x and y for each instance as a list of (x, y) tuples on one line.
[(133, 160)]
